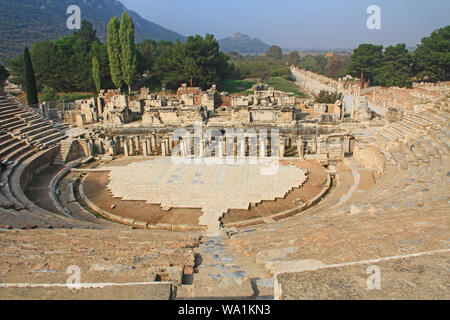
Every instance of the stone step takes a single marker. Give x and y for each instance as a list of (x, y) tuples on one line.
[(400, 129), (41, 133), (32, 126), (17, 125), (393, 133), (420, 124), (34, 132), (4, 136), (5, 123), (430, 117), (13, 156), (6, 142), (8, 108), (9, 113), (52, 142), (410, 130), (11, 147)]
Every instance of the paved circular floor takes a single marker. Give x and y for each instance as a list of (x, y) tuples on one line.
[(215, 188)]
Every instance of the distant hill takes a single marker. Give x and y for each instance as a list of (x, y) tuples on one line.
[(243, 44), (25, 22)]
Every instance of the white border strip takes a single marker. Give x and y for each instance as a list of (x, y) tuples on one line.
[(374, 261), (77, 285)]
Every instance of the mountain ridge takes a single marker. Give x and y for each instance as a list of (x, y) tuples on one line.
[(25, 22), (243, 44)]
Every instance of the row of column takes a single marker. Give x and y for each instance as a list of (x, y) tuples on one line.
[(248, 146)]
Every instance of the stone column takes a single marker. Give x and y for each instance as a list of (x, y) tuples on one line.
[(144, 149), (117, 144), (99, 147), (137, 142), (300, 148), (242, 147), (163, 148), (219, 148), (153, 142), (167, 146), (149, 146), (170, 143), (352, 112), (201, 148), (282, 148), (132, 148), (125, 148), (90, 147), (224, 146)]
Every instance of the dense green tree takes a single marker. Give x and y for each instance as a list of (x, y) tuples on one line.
[(293, 58), (396, 69), (257, 66), (314, 63), (275, 52), (4, 74), (198, 60), (128, 49), (96, 73), (114, 51), (99, 51), (16, 68), (366, 59), (66, 64), (48, 94), (150, 50), (30, 87), (87, 33), (432, 56), (44, 58)]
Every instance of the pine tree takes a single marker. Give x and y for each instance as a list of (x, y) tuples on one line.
[(96, 73), (128, 49), (114, 51), (29, 79)]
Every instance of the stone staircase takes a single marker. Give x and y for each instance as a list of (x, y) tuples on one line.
[(221, 273), (64, 151)]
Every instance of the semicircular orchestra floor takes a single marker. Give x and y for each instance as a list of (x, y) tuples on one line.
[(161, 191)]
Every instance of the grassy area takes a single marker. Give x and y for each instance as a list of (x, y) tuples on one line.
[(286, 86), (242, 87), (236, 86)]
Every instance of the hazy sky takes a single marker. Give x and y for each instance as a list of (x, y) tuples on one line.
[(300, 24)]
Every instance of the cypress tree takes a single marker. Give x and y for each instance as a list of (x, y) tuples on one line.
[(128, 49), (29, 79), (96, 73), (114, 51)]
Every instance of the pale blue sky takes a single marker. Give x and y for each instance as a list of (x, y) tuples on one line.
[(302, 24)]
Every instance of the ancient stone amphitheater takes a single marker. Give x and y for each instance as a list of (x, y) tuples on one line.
[(383, 208)]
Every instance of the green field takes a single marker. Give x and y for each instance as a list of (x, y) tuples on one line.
[(236, 86), (286, 86), (243, 87)]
